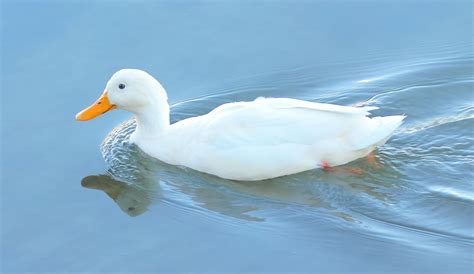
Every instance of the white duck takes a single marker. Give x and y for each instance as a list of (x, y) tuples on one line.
[(261, 139)]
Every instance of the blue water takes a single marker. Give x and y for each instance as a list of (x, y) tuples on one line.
[(77, 197)]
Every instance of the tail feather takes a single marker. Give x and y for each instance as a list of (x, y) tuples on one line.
[(383, 129)]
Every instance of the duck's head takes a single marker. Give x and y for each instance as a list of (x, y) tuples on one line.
[(129, 89)]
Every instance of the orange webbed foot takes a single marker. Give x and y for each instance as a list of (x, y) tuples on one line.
[(373, 161), (325, 165), (353, 170), (356, 170)]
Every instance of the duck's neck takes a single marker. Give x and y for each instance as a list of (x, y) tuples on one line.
[(152, 120)]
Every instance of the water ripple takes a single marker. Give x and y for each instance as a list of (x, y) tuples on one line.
[(385, 201)]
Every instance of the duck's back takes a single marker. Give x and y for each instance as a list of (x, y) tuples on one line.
[(272, 137)]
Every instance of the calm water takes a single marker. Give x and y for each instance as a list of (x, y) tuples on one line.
[(76, 197)]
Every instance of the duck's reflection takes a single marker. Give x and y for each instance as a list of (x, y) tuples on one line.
[(136, 182), (318, 189), (135, 199), (131, 199)]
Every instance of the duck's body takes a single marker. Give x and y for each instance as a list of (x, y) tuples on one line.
[(269, 138), (261, 139)]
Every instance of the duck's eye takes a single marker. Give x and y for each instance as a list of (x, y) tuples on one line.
[(121, 86)]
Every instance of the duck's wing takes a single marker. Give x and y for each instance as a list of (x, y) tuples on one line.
[(274, 121), (283, 103)]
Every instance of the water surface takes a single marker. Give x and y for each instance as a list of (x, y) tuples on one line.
[(77, 197)]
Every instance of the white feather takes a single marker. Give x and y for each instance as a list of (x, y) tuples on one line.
[(261, 139)]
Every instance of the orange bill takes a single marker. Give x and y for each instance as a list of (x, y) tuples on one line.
[(101, 106)]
